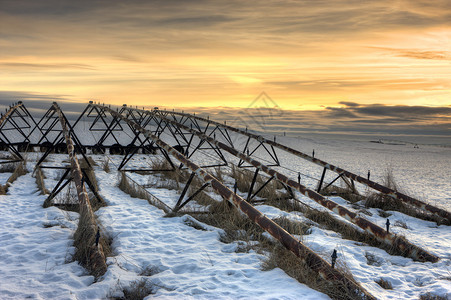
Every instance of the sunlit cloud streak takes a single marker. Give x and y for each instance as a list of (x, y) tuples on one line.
[(308, 55)]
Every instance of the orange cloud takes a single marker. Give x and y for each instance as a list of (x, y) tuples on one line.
[(304, 54)]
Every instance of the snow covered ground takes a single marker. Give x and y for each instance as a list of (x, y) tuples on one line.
[(182, 262), (36, 246)]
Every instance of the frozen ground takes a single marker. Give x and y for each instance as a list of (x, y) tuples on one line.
[(36, 246), (183, 262)]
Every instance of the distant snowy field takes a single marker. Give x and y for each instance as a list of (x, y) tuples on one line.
[(423, 173), (36, 243)]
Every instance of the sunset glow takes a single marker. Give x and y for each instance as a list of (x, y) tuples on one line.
[(304, 54)]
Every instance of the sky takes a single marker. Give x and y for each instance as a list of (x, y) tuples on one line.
[(336, 59)]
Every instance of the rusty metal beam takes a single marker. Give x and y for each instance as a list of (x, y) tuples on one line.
[(97, 261), (314, 261), (374, 185), (404, 246)]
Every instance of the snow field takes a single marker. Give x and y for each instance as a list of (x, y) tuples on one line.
[(191, 263), (409, 279), (35, 243), (36, 246)]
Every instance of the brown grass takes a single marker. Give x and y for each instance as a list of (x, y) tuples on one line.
[(87, 254), (135, 190), (235, 225), (344, 191), (83, 163), (218, 173), (137, 290), (295, 228), (96, 200), (176, 180), (430, 296), (8, 167), (270, 192), (297, 268), (387, 203), (106, 165), (39, 175), (372, 259), (384, 284), (19, 170), (238, 227), (327, 221), (130, 188)]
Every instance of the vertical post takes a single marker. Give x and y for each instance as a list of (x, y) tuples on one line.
[(97, 236), (322, 180), (334, 258), (185, 189), (388, 225), (299, 177), (252, 185)]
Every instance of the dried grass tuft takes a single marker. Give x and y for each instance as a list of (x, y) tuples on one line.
[(87, 254), (270, 192), (430, 296), (236, 226), (39, 175), (384, 284), (138, 289), (130, 188), (293, 227), (387, 203), (297, 268), (346, 191), (19, 170), (106, 165), (8, 167)]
